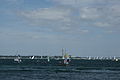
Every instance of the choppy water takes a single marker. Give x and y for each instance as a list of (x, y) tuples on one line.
[(57, 73)]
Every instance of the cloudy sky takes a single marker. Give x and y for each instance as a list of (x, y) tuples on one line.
[(44, 27)]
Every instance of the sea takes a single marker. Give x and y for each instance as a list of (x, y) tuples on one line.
[(49, 72)]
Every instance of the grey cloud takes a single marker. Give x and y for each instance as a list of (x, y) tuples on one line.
[(72, 19), (47, 14), (58, 19)]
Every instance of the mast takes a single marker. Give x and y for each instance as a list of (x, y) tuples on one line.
[(62, 53)]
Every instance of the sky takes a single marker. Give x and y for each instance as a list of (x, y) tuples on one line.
[(44, 27)]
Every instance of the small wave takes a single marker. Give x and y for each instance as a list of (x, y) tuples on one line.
[(98, 68)]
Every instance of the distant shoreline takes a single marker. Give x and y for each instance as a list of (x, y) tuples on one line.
[(59, 57)]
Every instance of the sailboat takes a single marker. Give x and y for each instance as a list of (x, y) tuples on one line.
[(66, 58), (18, 59)]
